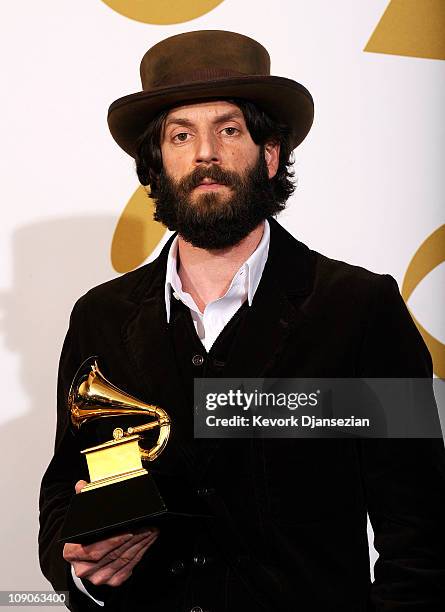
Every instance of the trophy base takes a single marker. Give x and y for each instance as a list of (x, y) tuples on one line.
[(115, 508)]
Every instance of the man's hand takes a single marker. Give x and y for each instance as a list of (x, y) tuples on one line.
[(109, 561)]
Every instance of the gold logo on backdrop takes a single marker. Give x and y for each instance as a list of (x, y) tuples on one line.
[(415, 28), (162, 12), (136, 234), (428, 256)]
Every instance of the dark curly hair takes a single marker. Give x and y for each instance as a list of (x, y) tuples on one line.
[(262, 128)]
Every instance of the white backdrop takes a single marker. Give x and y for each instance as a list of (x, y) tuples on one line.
[(370, 189)]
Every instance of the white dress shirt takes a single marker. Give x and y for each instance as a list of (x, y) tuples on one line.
[(79, 584), (217, 314)]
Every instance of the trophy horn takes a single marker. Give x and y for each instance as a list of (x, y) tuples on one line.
[(92, 396)]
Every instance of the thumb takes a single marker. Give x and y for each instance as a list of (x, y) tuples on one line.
[(80, 485)]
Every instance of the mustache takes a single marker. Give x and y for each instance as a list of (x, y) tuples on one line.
[(214, 173)]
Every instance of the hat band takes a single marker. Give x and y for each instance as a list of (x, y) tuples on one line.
[(202, 74)]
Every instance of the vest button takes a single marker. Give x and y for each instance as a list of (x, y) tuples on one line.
[(197, 360), (200, 560), (205, 491)]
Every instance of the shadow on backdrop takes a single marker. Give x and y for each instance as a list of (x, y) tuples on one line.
[(54, 262)]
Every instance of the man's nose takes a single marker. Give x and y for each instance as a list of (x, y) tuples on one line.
[(207, 150)]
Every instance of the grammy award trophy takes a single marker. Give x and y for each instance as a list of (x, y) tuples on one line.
[(121, 491)]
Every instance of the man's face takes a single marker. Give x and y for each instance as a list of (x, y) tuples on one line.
[(214, 188)]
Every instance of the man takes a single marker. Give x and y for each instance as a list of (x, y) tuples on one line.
[(233, 294)]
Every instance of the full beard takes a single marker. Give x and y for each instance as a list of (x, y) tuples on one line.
[(216, 219)]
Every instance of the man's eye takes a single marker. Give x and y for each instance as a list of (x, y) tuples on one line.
[(234, 130), (180, 136)]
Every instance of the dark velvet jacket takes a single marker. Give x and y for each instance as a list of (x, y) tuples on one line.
[(289, 526)]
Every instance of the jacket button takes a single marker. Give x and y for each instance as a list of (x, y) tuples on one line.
[(177, 567), (197, 360)]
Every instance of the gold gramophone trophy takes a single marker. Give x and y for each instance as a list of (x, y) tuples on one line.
[(121, 491)]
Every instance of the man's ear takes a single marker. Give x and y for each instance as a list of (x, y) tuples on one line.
[(272, 157)]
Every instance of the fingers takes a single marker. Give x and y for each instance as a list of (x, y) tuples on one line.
[(120, 568), (96, 551), (92, 560), (110, 561), (124, 573), (80, 485)]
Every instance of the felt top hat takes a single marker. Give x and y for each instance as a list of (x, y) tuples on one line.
[(208, 64)]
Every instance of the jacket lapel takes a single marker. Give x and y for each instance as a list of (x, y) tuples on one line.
[(144, 331), (147, 341), (275, 312)]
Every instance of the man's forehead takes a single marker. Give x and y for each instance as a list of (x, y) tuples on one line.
[(211, 108)]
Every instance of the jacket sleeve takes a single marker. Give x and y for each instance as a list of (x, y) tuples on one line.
[(404, 479), (64, 470)]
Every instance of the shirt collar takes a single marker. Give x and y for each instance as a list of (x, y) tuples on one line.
[(254, 266)]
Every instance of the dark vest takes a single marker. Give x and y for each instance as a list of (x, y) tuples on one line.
[(192, 359), (200, 572)]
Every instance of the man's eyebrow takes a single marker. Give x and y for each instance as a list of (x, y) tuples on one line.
[(229, 116)]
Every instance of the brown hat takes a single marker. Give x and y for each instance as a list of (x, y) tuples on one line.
[(208, 64)]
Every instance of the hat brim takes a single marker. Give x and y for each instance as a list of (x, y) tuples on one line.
[(285, 100)]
